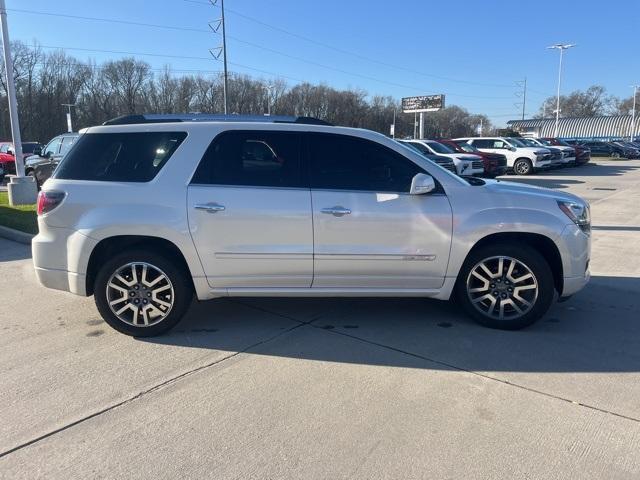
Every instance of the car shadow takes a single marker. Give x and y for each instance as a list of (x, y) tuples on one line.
[(598, 330)]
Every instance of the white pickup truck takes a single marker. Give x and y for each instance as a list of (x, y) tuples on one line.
[(523, 160)]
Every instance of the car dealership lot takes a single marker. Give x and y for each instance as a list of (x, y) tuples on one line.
[(318, 388)]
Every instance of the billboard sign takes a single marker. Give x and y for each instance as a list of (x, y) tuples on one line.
[(424, 103)]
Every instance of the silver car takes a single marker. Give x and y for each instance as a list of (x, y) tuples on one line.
[(148, 211)]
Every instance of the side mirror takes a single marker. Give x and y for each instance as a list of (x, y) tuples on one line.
[(11, 152), (421, 184), (37, 151)]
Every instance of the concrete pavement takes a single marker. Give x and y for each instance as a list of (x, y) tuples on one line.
[(347, 388)]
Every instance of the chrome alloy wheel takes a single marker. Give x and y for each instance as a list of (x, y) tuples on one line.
[(502, 288), (140, 294), (522, 168)]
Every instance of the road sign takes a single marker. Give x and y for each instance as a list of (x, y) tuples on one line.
[(424, 103)]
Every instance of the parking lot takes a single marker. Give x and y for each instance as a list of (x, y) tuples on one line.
[(345, 388)]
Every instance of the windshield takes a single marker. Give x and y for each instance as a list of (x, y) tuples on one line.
[(440, 148), (468, 148), (517, 142)]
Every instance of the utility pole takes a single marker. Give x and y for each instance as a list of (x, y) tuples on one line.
[(421, 125), (522, 94), (562, 48), (21, 190), (633, 111), (69, 122), (221, 50)]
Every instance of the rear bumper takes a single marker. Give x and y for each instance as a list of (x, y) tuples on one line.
[(60, 258), (62, 280)]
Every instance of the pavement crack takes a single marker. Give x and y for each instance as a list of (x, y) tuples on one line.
[(150, 390), (483, 375)]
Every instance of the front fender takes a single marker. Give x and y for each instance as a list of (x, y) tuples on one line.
[(470, 228)]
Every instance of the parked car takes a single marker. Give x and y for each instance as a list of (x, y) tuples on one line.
[(582, 152), (606, 149), (142, 215), (444, 162), (8, 159), (466, 165), (43, 163), (557, 156), (635, 151), (523, 160), (495, 164)]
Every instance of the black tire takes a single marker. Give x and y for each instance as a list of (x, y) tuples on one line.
[(523, 166), (179, 280), (615, 155), (537, 265)]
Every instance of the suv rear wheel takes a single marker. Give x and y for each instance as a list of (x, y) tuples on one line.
[(505, 286), (523, 166), (141, 293)]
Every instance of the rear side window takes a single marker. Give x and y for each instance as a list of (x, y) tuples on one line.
[(66, 144), (341, 162), (119, 157), (252, 158)]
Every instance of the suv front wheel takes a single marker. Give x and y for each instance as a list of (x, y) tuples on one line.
[(523, 166), (141, 293), (505, 286)]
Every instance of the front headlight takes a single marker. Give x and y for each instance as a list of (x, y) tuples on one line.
[(578, 213)]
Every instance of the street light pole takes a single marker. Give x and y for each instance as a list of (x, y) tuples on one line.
[(11, 92), (562, 48), (633, 111), (22, 190), (69, 122)]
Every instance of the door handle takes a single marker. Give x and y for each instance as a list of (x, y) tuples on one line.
[(209, 207), (336, 211)]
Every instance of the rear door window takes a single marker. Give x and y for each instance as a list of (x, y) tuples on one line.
[(252, 158), (66, 144), (119, 157)]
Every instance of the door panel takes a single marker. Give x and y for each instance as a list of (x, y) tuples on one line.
[(249, 211), (262, 238), (388, 240)]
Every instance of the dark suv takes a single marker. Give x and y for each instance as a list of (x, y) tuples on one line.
[(606, 149), (43, 163)]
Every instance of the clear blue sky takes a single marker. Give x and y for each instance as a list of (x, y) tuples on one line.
[(482, 48)]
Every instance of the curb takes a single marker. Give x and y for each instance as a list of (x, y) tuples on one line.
[(16, 235)]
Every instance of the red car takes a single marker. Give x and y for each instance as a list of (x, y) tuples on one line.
[(494, 163), (583, 153), (7, 158)]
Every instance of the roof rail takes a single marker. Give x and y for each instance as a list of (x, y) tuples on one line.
[(210, 117)]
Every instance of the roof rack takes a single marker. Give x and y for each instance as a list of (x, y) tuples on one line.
[(211, 117)]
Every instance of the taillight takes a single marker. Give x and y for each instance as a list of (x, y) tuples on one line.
[(49, 200)]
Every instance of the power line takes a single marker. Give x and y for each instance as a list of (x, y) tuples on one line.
[(255, 45), (347, 52), (149, 54)]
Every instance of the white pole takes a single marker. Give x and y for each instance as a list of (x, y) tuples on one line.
[(557, 130), (633, 112), (11, 92), (421, 125)]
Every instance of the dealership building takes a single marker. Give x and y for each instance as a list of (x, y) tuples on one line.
[(612, 127)]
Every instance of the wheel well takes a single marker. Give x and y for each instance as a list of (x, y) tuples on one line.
[(524, 158), (544, 245), (112, 245)]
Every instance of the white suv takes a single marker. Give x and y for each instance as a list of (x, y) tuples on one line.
[(148, 210), (466, 164), (523, 160)]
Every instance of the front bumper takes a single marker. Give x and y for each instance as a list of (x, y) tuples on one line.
[(575, 251)]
